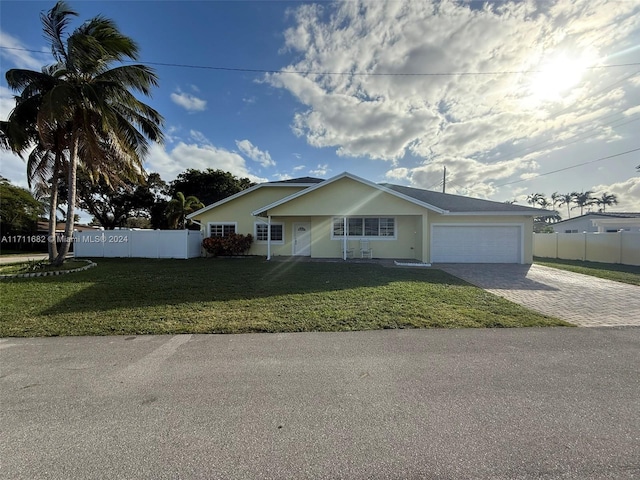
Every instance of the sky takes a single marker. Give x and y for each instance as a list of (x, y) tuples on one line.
[(512, 98)]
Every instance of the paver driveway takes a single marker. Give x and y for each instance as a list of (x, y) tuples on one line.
[(580, 299)]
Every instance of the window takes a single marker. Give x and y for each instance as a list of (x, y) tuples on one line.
[(221, 229), (365, 227), (262, 232), (571, 231)]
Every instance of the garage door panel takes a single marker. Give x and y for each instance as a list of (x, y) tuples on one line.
[(476, 244)]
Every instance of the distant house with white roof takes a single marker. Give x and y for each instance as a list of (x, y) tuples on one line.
[(602, 222)]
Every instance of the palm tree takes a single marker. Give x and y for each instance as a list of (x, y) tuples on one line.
[(534, 198), (555, 199), (583, 199), (46, 161), (178, 209), (544, 203), (106, 125), (566, 199), (606, 200)]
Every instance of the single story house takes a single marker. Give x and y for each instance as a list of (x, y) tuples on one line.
[(348, 216), (602, 222)]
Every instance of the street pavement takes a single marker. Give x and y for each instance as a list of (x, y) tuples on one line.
[(583, 300), (553, 403)]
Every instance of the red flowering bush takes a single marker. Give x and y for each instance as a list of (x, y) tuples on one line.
[(232, 244)]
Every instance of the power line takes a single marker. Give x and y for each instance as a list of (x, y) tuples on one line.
[(355, 74), (569, 168)]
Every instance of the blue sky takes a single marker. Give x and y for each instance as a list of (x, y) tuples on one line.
[(499, 94)]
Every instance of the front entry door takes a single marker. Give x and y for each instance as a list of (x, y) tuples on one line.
[(302, 239)]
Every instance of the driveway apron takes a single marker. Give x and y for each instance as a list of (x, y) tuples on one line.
[(580, 299)]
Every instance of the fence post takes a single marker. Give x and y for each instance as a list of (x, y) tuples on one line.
[(584, 256), (557, 241), (620, 232)]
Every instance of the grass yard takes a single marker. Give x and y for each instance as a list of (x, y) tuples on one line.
[(140, 296), (610, 271)]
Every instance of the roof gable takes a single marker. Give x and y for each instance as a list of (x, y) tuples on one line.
[(295, 182), (335, 179)]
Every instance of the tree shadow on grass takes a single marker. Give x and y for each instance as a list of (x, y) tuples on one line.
[(139, 283)]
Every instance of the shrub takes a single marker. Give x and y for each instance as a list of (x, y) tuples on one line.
[(232, 244)]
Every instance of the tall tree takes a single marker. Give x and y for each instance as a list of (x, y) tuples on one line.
[(606, 200), (111, 205), (178, 209), (544, 203), (107, 126), (208, 186), (47, 161), (566, 199), (19, 211), (583, 199), (534, 198)]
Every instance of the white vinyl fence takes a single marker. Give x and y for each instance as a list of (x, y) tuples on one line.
[(618, 247), (137, 243)]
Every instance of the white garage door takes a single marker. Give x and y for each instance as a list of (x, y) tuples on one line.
[(476, 244)]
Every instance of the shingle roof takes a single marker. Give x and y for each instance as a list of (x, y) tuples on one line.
[(458, 203), (301, 180)]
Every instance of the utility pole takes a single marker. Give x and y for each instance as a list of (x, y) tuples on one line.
[(444, 181)]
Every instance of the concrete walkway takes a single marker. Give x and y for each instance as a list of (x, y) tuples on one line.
[(580, 299)]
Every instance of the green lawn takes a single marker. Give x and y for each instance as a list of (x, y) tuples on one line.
[(139, 296), (610, 271)]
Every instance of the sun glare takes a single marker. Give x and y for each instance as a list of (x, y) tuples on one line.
[(556, 77)]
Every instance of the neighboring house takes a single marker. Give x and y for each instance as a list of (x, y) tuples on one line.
[(599, 222), (349, 216)]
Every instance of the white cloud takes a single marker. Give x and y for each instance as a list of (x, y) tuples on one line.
[(490, 126), (627, 192), (199, 137), (7, 102), (254, 153), (398, 173), (189, 102), (297, 168), (282, 176), (169, 164), (14, 53), (320, 170)]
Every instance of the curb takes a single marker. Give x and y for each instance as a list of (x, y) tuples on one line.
[(89, 265)]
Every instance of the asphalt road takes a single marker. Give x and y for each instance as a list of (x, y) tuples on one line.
[(442, 404)]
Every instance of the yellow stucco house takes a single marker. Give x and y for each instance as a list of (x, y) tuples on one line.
[(347, 216)]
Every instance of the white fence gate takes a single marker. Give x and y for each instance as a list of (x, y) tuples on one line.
[(619, 247), (137, 243)]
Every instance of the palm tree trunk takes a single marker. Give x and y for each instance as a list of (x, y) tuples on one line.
[(67, 237), (53, 211)]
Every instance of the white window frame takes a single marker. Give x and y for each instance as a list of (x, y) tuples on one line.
[(209, 224), (364, 237), (273, 242)]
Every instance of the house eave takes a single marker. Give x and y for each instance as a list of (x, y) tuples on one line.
[(540, 213)]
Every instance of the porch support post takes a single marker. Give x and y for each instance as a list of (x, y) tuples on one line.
[(344, 238), (269, 238)]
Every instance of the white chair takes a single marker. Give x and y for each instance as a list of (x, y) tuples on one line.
[(365, 250), (347, 252)]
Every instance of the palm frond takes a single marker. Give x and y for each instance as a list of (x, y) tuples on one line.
[(54, 24)]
